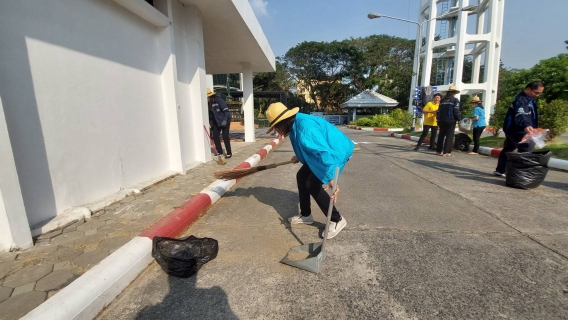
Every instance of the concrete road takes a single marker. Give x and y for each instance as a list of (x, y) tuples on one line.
[(427, 237)]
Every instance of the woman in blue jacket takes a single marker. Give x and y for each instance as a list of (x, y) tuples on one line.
[(479, 123), (320, 147)]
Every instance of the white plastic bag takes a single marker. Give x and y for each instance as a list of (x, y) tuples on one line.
[(539, 137), (465, 124)]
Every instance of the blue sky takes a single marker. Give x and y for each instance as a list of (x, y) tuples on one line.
[(532, 30)]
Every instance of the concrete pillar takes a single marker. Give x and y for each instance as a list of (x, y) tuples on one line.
[(169, 93), (461, 32), (491, 56), (354, 114), (14, 227), (209, 81), (248, 103), (428, 51), (477, 58)]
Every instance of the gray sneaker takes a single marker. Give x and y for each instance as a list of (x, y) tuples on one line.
[(334, 228), (499, 174), (301, 219)]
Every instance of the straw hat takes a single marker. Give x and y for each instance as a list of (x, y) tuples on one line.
[(453, 89), (277, 112), (209, 93), (475, 99)]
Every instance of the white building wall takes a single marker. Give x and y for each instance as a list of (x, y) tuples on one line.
[(104, 95), (83, 100), (14, 227), (191, 83)]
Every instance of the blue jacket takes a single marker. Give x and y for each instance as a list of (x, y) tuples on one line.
[(479, 112), (522, 113), (320, 145), (449, 110), (218, 111)]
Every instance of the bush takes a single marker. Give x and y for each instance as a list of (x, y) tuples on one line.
[(554, 116), (466, 108), (498, 117), (396, 119), (403, 118)]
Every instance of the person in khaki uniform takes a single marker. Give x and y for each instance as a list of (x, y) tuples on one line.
[(430, 122)]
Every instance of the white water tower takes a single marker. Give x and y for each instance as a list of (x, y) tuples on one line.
[(443, 60)]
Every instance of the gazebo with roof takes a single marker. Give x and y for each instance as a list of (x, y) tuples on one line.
[(368, 99)]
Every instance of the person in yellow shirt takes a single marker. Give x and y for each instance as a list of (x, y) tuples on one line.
[(430, 122)]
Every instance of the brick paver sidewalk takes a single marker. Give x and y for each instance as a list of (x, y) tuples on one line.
[(31, 276)]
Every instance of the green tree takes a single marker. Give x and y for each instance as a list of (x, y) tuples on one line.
[(281, 80), (554, 116), (554, 73), (315, 63), (498, 117), (389, 62)]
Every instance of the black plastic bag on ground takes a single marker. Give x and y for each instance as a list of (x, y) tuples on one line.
[(183, 257), (526, 170), (462, 142)]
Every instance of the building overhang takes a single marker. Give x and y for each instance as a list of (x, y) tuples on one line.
[(232, 36)]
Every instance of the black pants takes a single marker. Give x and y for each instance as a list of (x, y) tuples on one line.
[(309, 184), (476, 135), (446, 132), (216, 131), (511, 143), (432, 136)]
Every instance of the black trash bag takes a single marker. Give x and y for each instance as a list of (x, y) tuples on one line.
[(183, 257), (462, 142), (526, 170)]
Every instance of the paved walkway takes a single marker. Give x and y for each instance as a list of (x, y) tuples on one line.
[(427, 237), (29, 277)]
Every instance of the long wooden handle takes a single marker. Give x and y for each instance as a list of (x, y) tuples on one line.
[(272, 166)]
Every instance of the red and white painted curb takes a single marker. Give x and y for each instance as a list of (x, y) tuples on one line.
[(85, 297), (554, 163), (375, 129)]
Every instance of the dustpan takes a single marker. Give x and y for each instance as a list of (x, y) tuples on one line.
[(315, 252)]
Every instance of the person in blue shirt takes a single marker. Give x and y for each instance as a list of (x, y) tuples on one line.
[(320, 147), (521, 119), (479, 123)]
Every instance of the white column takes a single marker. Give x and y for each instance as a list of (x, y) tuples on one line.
[(248, 102), (14, 227), (461, 32), (491, 64), (209, 81), (428, 52), (477, 57), (169, 94), (354, 114)]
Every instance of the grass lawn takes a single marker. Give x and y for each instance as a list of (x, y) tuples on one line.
[(559, 150), (491, 142)]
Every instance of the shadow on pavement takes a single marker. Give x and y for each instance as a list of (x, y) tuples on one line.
[(476, 175), (284, 202), (186, 301), (556, 185)]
